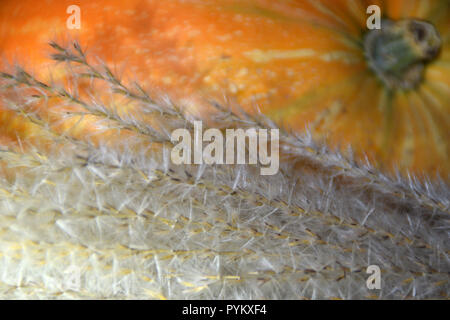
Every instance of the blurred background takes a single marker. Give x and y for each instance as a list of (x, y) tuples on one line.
[(302, 63)]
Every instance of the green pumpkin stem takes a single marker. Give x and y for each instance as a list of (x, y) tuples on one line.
[(400, 50)]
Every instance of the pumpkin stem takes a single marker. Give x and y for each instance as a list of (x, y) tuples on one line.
[(399, 51)]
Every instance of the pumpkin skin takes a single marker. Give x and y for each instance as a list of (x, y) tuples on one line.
[(299, 62)]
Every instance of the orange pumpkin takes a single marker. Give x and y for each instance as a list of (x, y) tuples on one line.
[(304, 63)]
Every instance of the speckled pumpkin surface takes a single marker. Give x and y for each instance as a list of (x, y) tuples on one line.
[(303, 63)]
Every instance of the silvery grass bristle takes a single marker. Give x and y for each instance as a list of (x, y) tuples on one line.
[(89, 219)]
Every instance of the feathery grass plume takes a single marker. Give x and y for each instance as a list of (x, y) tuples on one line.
[(92, 207)]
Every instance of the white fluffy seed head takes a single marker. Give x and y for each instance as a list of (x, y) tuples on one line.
[(119, 220)]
